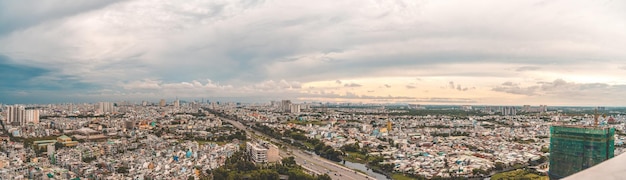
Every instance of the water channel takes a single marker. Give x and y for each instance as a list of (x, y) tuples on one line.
[(369, 172)]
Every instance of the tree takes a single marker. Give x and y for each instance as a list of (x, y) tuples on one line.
[(324, 177), (122, 170), (380, 147), (289, 161), (499, 166), (58, 145), (479, 172), (351, 147)]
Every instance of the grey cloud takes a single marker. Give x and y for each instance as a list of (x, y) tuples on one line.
[(410, 87), (22, 14), (508, 83), (387, 86), (352, 85), (558, 87), (338, 81), (458, 87), (529, 91)]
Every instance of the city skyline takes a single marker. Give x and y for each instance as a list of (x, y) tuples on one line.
[(420, 52)]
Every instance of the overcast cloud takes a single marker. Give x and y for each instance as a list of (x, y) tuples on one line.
[(60, 51)]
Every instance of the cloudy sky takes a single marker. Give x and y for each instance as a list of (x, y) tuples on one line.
[(423, 52)]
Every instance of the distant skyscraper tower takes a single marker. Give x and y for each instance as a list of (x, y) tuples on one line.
[(177, 103), (294, 108), (16, 115), (389, 125), (509, 111), (32, 115), (286, 105), (106, 107), (162, 103), (543, 108), (573, 149)]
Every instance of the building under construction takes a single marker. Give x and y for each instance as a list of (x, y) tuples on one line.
[(575, 148)]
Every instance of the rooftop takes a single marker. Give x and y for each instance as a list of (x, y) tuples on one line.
[(612, 169)]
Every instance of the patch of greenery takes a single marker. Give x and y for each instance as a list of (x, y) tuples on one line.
[(313, 122), (237, 167), (355, 157), (518, 174), (397, 176)]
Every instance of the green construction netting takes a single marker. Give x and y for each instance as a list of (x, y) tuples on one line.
[(573, 149)]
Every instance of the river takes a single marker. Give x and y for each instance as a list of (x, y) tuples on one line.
[(362, 167)]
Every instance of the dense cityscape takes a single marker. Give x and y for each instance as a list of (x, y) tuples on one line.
[(315, 140)]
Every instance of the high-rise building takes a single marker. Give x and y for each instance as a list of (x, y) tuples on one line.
[(177, 103), (162, 103), (294, 108), (16, 115), (543, 108), (262, 152), (257, 153), (508, 111), (105, 107), (32, 115), (285, 105), (573, 149)]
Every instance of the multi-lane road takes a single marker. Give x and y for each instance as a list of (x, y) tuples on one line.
[(314, 163)]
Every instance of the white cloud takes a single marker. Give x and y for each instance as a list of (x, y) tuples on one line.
[(272, 47)]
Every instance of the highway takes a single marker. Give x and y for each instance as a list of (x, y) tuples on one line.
[(314, 163)]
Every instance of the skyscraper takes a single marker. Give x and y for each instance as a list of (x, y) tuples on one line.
[(16, 115), (285, 105), (294, 108), (573, 149), (509, 111), (162, 103), (32, 115), (106, 107)]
